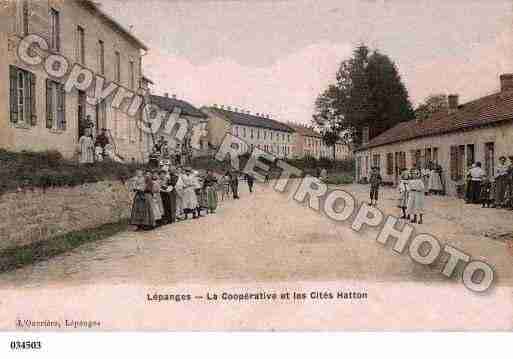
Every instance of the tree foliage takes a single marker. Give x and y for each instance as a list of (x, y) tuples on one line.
[(431, 105), (368, 92)]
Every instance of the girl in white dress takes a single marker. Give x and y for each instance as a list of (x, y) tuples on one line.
[(415, 207)]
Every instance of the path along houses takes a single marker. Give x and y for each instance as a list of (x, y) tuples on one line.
[(480, 130), (35, 112)]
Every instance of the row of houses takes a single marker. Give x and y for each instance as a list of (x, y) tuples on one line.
[(284, 140), (478, 131), (37, 114)]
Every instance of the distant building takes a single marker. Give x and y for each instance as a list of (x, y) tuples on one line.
[(257, 130), (480, 130), (308, 142), (195, 120), (35, 111)]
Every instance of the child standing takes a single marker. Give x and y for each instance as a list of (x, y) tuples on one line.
[(416, 196), (403, 193), (375, 181), (485, 198)]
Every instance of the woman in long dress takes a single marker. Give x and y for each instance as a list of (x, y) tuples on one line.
[(179, 187), (189, 199), (425, 174), (86, 148), (209, 188), (142, 214), (416, 196), (154, 187), (435, 182)]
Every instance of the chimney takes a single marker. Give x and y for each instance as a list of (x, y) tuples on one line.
[(506, 82), (174, 96), (453, 102), (166, 94)]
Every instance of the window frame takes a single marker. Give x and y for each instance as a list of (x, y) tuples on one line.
[(55, 25), (57, 100), (81, 46)]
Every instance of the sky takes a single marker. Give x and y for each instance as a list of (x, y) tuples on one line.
[(276, 57)]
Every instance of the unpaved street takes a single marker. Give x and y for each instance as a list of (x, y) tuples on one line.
[(268, 237)]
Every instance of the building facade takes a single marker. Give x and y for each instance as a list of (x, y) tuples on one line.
[(257, 131), (478, 131), (309, 143), (35, 111)]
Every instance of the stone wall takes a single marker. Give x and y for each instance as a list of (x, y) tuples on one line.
[(32, 216)]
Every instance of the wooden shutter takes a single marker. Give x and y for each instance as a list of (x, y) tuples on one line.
[(13, 76), (454, 163), (57, 31), (61, 107), (49, 104), (390, 163), (32, 102)]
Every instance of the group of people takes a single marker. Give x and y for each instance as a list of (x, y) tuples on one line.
[(163, 196), (91, 149), (412, 190), (163, 152), (496, 191), (413, 186), (166, 195)]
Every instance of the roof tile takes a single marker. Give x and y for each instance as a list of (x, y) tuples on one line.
[(484, 111)]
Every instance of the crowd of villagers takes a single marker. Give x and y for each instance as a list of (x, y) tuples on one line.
[(414, 184), (167, 194)]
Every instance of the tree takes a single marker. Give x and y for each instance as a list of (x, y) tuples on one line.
[(327, 121), (368, 92), (431, 105)]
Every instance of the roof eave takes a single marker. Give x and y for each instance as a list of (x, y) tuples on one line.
[(115, 23), (494, 123)]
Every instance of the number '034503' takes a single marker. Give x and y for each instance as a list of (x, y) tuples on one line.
[(25, 345)]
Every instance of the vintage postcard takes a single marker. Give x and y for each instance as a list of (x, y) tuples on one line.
[(294, 165)]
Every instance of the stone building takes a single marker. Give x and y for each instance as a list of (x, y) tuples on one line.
[(257, 130), (308, 142), (35, 111), (480, 130)]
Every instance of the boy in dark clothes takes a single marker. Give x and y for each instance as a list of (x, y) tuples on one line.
[(375, 181), (485, 197), (250, 180)]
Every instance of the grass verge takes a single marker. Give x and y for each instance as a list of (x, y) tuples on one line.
[(17, 257)]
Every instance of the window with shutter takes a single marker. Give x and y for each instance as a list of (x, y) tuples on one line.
[(32, 100), (61, 107), (13, 93), (390, 164), (22, 96), (49, 104), (454, 162)]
